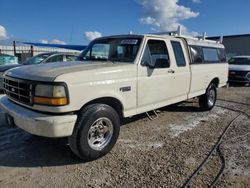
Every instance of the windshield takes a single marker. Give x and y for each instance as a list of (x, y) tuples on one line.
[(8, 60), (239, 61), (112, 49), (36, 59)]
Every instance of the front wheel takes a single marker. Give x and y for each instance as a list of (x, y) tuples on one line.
[(96, 132), (208, 100)]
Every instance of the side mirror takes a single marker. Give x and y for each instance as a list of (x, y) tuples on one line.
[(162, 63)]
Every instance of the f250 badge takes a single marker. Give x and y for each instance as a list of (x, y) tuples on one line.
[(124, 89)]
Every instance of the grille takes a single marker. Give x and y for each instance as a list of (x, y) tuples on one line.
[(19, 90), (238, 73), (237, 79)]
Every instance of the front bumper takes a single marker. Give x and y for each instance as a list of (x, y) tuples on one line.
[(240, 80), (239, 76), (38, 123)]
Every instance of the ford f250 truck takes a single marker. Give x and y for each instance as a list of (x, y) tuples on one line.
[(115, 77)]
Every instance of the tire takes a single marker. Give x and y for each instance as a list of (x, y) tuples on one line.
[(96, 132), (208, 100)]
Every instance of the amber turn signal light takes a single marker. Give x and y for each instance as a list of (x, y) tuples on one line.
[(51, 101)]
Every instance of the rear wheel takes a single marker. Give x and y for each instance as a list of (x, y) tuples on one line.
[(208, 100), (96, 132)]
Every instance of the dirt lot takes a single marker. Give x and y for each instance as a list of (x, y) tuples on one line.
[(159, 153)]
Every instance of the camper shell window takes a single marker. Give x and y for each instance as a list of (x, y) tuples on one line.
[(205, 55), (210, 55)]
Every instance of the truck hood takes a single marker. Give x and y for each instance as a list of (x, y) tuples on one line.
[(48, 72), (239, 67), (4, 68)]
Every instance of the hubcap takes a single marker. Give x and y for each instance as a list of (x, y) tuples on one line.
[(211, 97), (100, 133)]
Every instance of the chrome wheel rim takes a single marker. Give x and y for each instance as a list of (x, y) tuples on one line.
[(100, 133), (211, 97)]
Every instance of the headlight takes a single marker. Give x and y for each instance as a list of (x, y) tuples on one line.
[(54, 95), (248, 75)]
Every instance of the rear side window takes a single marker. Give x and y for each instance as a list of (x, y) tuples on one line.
[(210, 55), (178, 53)]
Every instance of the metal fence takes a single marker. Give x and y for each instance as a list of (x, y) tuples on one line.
[(26, 51)]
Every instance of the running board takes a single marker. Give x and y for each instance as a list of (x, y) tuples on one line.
[(152, 117)]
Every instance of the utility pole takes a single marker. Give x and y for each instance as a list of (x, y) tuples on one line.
[(31, 50), (14, 46)]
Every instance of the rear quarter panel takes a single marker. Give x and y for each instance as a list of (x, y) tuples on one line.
[(203, 74)]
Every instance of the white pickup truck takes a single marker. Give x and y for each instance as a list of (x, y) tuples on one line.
[(115, 77)]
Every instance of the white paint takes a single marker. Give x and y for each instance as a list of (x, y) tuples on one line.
[(192, 122)]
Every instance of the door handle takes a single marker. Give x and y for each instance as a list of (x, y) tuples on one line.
[(171, 71)]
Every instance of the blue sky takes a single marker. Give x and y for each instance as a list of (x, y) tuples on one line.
[(76, 21)]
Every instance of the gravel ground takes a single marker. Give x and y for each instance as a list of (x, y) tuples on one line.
[(159, 153)]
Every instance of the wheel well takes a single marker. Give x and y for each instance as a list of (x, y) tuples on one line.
[(113, 102), (215, 81)]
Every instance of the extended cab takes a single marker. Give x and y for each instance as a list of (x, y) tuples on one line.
[(115, 77)]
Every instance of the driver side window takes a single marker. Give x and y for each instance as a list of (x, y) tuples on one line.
[(156, 54)]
